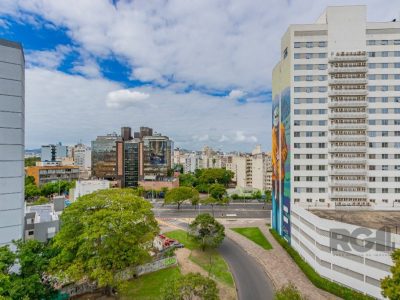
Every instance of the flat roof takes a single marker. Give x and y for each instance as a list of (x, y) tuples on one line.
[(364, 218), (12, 44)]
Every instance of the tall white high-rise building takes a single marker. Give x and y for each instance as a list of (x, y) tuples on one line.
[(12, 139), (336, 111)]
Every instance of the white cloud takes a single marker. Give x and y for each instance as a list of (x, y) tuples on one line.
[(88, 67), (125, 98), (49, 59), (80, 113), (216, 44), (241, 137), (223, 138), (236, 94)]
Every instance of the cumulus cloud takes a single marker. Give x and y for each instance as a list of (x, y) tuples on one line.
[(216, 44), (236, 94), (125, 98), (49, 59), (241, 137), (178, 115), (223, 138)]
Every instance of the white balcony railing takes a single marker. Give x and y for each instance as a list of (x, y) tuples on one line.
[(347, 126), (347, 183), (343, 194), (348, 81), (347, 103), (344, 92), (355, 172), (339, 58), (348, 138), (347, 149), (347, 70), (347, 115), (347, 161)]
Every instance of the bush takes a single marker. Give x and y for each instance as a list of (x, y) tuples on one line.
[(289, 292), (321, 283)]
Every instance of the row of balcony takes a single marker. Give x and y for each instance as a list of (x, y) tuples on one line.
[(347, 149), (347, 183), (344, 92), (344, 103), (348, 195), (348, 138), (355, 172), (349, 115), (348, 81), (347, 161), (332, 70), (339, 58), (347, 126)]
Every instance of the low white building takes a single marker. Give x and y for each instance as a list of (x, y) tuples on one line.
[(85, 187), (354, 255)]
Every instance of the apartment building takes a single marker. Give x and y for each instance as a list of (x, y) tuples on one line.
[(336, 141), (336, 111), (45, 174), (251, 171), (53, 152), (12, 141)]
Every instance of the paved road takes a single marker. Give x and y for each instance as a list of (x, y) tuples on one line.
[(248, 210), (251, 281)]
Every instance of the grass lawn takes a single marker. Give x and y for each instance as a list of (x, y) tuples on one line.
[(183, 238), (254, 234), (219, 268), (216, 266), (148, 287)]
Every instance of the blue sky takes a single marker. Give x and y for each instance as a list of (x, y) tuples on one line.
[(198, 71)]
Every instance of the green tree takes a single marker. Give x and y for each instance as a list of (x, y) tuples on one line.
[(29, 180), (187, 180), (180, 194), (207, 231), (41, 200), (31, 161), (33, 259), (31, 191), (214, 175), (217, 191), (391, 284), (102, 234), (289, 292), (190, 287), (58, 187)]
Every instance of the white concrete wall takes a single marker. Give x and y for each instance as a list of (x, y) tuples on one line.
[(85, 187), (311, 236), (12, 139)]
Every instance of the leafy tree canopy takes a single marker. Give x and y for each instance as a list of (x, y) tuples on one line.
[(207, 231), (217, 191), (33, 259), (187, 180), (180, 194), (103, 233), (391, 284), (215, 175), (191, 286), (31, 161)]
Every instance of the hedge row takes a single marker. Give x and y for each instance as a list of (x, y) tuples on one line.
[(315, 278)]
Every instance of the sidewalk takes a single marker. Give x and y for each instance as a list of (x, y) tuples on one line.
[(279, 266)]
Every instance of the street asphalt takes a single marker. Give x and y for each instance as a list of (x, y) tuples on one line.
[(240, 210), (251, 281)]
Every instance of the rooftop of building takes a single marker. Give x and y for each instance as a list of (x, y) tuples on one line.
[(364, 218), (12, 44), (51, 167)]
